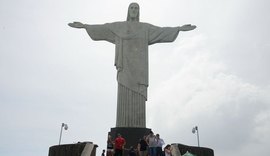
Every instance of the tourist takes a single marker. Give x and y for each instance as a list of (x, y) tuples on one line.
[(132, 151), (152, 143), (167, 150), (103, 153), (119, 144), (160, 143), (142, 147), (109, 146)]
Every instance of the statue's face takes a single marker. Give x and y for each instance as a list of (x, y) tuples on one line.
[(133, 10)]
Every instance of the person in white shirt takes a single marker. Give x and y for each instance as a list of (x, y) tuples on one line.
[(152, 143), (160, 143)]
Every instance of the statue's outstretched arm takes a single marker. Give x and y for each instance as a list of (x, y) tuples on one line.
[(76, 25), (187, 27)]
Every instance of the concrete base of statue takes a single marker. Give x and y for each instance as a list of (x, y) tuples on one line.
[(78, 149)]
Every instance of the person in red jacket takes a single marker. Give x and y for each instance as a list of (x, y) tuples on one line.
[(119, 144)]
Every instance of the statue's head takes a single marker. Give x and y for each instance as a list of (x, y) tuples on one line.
[(133, 12)]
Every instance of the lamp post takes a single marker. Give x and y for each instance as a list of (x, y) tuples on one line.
[(65, 127), (194, 130)]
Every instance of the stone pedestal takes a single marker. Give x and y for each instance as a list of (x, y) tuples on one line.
[(79, 149), (198, 151), (131, 135)]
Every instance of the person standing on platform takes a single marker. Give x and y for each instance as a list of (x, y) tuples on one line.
[(168, 150), (152, 143), (160, 143), (103, 153), (119, 144), (142, 147), (109, 146), (131, 151)]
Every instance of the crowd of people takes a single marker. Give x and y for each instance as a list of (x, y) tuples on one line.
[(148, 145)]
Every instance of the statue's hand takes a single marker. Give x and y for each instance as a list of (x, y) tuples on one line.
[(187, 27), (76, 25)]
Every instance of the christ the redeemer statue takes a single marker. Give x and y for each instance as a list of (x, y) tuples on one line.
[(131, 39)]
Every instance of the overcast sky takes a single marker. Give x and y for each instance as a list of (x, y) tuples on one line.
[(216, 77)]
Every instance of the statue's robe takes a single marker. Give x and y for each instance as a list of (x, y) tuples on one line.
[(131, 41)]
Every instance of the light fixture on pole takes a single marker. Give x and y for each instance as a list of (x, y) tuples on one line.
[(65, 127), (194, 130)]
